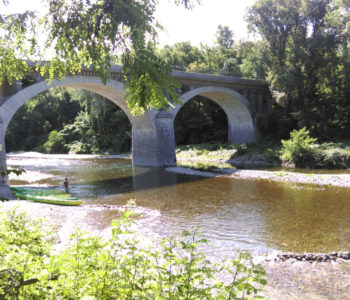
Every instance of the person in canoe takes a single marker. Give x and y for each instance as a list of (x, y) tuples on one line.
[(66, 185)]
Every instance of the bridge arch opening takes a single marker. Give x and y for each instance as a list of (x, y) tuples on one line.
[(199, 121), (241, 126), (62, 120)]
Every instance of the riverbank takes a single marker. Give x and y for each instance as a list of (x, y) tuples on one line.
[(323, 179)]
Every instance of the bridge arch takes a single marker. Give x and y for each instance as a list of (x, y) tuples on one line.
[(241, 126), (113, 90)]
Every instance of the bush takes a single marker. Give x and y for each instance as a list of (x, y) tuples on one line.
[(24, 257), (55, 143), (92, 268), (297, 150), (301, 151), (327, 159)]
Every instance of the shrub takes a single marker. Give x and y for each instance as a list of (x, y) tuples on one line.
[(120, 268), (55, 143), (24, 257), (297, 150), (328, 159)]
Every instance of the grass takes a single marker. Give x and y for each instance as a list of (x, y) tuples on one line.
[(205, 166), (206, 151), (224, 152)]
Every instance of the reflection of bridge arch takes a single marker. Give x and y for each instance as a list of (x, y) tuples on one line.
[(236, 107)]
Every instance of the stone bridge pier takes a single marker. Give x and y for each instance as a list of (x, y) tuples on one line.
[(245, 102)]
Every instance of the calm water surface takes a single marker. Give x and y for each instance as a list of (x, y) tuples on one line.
[(235, 215)]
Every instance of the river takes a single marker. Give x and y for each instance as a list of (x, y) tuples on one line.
[(235, 215)]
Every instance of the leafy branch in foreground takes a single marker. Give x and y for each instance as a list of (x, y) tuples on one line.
[(94, 34), (119, 268)]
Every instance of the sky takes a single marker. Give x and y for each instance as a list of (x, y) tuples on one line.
[(198, 25)]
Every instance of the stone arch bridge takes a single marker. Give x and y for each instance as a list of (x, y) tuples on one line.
[(247, 104)]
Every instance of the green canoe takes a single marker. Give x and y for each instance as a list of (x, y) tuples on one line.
[(45, 196), (36, 191)]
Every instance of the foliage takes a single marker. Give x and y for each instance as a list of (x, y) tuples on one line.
[(180, 55), (325, 156), (215, 167), (306, 53), (24, 257), (224, 37), (55, 143), (4, 173), (94, 34), (48, 111), (252, 59), (100, 126), (327, 159), (206, 152), (87, 123), (92, 268), (246, 153), (297, 147)]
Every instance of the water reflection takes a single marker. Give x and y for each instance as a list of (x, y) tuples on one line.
[(234, 215), (311, 219)]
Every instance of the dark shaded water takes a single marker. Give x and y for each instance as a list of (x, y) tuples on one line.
[(233, 214)]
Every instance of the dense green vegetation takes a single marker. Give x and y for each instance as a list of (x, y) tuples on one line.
[(117, 268), (300, 150), (63, 120)]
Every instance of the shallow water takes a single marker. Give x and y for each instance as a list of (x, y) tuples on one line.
[(235, 215)]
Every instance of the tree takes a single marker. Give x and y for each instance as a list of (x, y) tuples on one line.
[(252, 59), (180, 54), (224, 37), (96, 34), (304, 54)]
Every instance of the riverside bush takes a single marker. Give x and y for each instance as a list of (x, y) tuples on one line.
[(54, 143), (118, 268), (297, 150), (319, 158), (301, 151)]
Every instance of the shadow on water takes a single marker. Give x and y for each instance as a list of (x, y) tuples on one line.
[(141, 179), (94, 178)]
